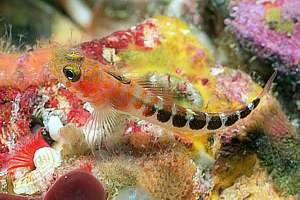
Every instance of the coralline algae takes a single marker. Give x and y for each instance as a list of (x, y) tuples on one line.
[(270, 30), (146, 155)]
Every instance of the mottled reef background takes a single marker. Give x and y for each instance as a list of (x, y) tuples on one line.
[(257, 160), (27, 23)]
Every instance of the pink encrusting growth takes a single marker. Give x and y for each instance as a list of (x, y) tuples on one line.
[(270, 29), (15, 109), (25, 69), (24, 152), (144, 35)]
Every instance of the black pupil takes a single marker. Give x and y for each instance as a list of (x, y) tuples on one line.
[(70, 75)]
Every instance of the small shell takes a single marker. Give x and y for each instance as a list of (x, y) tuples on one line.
[(35, 181), (45, 160), (54, 124), (46, 157)]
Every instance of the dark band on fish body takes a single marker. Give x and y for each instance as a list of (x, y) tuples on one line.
[(231, 119), (163, 115), (198, 121), (255, 102), (245, 112), (149, 110), (179, 120), (214, 123)]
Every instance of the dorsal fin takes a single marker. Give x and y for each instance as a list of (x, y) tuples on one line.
[(268, 85), (119, 77), (167, 87)]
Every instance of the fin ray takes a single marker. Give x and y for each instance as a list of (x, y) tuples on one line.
[(101, 126)]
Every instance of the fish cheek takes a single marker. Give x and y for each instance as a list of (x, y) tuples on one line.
[(68, 84), (121, 99)]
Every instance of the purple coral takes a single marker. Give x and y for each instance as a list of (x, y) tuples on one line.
[(270, 30)]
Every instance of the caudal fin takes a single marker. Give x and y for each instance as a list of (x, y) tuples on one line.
[(268, 85)]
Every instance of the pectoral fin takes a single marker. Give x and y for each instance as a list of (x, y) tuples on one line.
[(101, 126)]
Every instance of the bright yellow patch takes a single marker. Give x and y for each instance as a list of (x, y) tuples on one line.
[(273, 15), (180, 49), (274, 19)]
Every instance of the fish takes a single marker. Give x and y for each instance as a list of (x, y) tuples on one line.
[(112, 93)]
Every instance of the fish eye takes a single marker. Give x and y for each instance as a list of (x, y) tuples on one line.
[(72, 73)]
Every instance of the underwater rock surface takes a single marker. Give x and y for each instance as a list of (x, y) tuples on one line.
[(271, 30), (161, 162)]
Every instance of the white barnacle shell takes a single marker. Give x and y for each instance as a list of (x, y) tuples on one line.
[(35, 181), (45, 159), (54, 124)]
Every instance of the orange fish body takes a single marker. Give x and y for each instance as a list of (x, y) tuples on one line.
[(109, 92)]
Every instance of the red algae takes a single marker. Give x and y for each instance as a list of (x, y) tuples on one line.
[(24, 152), (15, 109), (74, 101)]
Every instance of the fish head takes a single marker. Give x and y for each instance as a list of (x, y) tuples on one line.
[(83, 76)]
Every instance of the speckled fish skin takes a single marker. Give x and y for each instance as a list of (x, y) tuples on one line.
[(103, 86)]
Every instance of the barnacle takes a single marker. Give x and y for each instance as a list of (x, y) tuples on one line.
[(263, 148), (24, 155), (45, 160)]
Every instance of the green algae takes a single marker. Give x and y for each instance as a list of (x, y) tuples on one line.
[(274, 19), (281, 158)]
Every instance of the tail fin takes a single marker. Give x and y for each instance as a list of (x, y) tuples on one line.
[(268, 85)]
